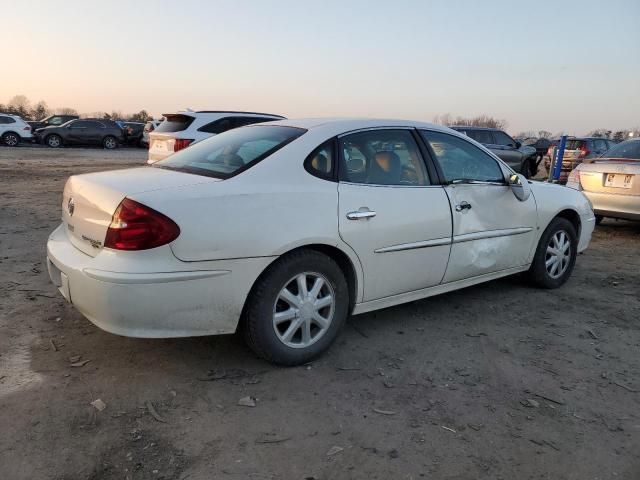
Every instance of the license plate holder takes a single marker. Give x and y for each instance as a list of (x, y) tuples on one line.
[(618, 180)]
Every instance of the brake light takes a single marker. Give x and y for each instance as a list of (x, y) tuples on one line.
[(181, 143), (135, 226), (574, 180), (27, 128), (584, 151)]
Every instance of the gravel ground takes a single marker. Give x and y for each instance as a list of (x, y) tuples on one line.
[(497, 381)]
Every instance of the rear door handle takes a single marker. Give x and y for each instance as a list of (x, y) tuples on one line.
[(362, 213), (463, 206)]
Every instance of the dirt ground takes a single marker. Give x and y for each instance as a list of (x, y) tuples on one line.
[(498, 381)]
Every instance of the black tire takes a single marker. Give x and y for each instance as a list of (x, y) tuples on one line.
[(109, 142), (11, 139), (538, 272), (258, 319), (599, 219), (53, 141)]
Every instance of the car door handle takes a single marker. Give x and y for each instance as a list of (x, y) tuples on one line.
[(463, 206), (363, 212)]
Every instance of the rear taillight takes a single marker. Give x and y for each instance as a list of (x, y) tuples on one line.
[(27, 128), (584, 151), (181, 143), (574, 180), (137, 227)]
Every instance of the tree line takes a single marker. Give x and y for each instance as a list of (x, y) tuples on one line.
[(20, 105)]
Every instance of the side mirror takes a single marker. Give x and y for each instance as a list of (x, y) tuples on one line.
[(518, 144), (520, 186)]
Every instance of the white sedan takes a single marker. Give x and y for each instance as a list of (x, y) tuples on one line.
[(284, 229)]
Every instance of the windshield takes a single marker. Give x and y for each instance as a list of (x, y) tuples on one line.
[(629, 149), (229, 153)]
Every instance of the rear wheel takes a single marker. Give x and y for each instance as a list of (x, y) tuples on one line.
[(296, 309), (11, 139), (556, 254), (53, 141), (109, 142)]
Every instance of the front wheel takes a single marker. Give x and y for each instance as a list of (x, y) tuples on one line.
[(555, 255), (296, 309), (11, 139), (53, 141), (110, 143)]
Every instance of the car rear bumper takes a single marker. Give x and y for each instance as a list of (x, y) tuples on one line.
[(613, 205), (152, 304)]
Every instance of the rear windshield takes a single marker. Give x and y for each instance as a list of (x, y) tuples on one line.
[(574, 144), (629, 149), (231, 152), (175, 123)]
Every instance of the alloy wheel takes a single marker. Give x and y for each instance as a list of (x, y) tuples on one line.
[(558, 255), (303, 310), (11, 140), (53, 141), (110, 143)]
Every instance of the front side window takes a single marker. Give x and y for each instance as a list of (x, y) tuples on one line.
[(382, 157), (461, 161), (504, 139), (224, 155)]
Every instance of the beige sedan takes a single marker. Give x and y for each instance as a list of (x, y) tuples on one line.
[(612, 183)]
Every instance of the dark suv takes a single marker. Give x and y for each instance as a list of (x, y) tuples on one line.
[(86, 131), (521, 158)]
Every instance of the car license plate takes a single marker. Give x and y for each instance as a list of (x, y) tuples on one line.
[(159, 146), (618, 180)]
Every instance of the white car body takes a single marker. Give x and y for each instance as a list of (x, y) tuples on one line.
[(194, 126), (13, 129), (231, 230), (146, 131)]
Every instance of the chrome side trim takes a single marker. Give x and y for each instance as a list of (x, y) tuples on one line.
[(436, 242), (468, 237), (159, 277)]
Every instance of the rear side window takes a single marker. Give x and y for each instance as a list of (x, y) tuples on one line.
[(229, 153), (321, 162), (573, 144), (382, 157), (228, 123), (481, 136), (175, 123), (461, 161), (6, 120)]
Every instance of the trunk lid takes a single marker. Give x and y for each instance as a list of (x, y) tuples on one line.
[(89, 201), (617, 176)]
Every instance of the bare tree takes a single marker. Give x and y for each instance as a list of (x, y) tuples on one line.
[(40, 111), (544, 134), (66, 111), (478, 121)]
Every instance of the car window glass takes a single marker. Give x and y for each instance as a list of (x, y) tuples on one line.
[(223, 155), (481, 136), (382, 157), (321, 161), (5, 120), (55, 121), (218, 126), (462, 161), (629, 149), (600, 145), (503, 139), (79, 124)]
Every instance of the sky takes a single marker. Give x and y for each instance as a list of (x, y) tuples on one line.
[(569, 66)]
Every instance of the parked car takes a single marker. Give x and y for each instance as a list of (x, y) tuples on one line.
[(86, 131), (577, 149), (132, 132), (520, 158), (291, 226), (13, 130), (52, 121), (611, 182), (181, 129), (148, 128)]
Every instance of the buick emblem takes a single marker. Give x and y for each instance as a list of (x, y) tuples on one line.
[(71, 206)]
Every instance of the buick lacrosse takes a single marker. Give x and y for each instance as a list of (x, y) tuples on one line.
[(284, 229)]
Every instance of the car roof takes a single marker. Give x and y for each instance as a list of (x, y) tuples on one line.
[(465, 127), (232, 112), (335, 126)]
